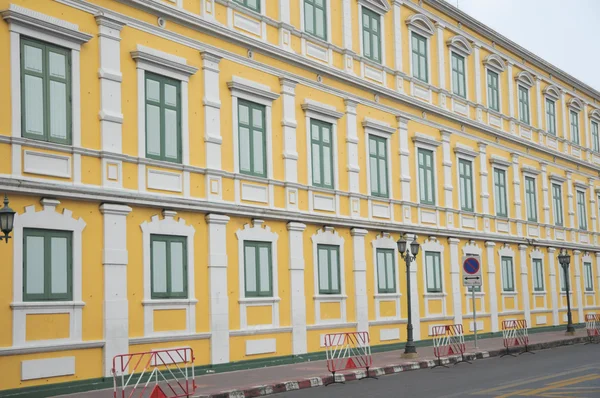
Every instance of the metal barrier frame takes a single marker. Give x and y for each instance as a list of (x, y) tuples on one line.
[(592, 328), (449, 336), (515, 330), (354, 347)]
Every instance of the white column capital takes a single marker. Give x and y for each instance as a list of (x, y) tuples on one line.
[(109, 22), (296, 226), (358, 232), (453, 241), (119, 210), (217, 219)]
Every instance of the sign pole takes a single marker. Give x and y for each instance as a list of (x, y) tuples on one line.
[(474, 314)]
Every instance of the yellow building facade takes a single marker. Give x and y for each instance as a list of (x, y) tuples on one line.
[(233, 175)]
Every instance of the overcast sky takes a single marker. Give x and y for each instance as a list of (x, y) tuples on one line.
[(564, 33)]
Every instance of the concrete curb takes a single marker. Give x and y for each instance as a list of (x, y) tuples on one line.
[(260, 391)]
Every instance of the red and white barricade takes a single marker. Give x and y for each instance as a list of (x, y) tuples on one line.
[(448, 340), (157, 374), (592, 327), (514, 333), (347, 351)]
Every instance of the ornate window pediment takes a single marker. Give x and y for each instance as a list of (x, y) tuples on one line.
[(526, 79), (460, 45), (575, 104), (421, 24), (595, 114), (495, 63), (553, 92), (379, 6)]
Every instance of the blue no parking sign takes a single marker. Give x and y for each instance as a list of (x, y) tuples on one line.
[(471, 270)]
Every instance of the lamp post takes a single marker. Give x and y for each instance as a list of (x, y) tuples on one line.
[(564, 259), (7, 217), (410, 351)]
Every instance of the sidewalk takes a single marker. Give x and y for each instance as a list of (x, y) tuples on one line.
[(276, 379)]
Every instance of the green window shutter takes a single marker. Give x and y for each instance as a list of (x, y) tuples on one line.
[(258, 269), (322, 153), (378, 166), (575, 127), (493, 93), (371, 30), (595, 137), (168, 258), (252, 138), (557, 204), (253, 5), (581, 211), (538, 275), (433, 272), (551, 116), (508, 275), (163, 118), (530, 196), (328, 257), (458, 75), (386, 271), (47, 265), (524, 104), (45, 92), (500, 192), (588, 276), (465, 174), (426, 178), (419, 57), (315, 18)]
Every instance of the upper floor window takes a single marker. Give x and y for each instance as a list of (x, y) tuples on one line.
[(538, 275), (329, 269), (588, 277), (386, 271), (252, 140), (433, 272), (169, 266), (45, 91), (258, 269), (574, 127), (47, 265), (581, 211), (500, 192), (493, 93), (557, 204), (524, 104), (254, 5), (465, 174), (508, 274), (551, 116), (371, 31), (530, 199), (315, 18), (378, 165), (163, 118), (595, 137), (419, 57), (322, 154), (426, 178), (458, 75)]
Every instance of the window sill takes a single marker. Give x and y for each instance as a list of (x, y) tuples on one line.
[(477, 294), (47, 304), (259, 300), (514, 294), (541, 293), (387, 296), (175, 301), (434, 295), (330, 297), (590, 292)]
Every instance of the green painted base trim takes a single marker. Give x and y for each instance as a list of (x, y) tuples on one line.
[(49, 390)]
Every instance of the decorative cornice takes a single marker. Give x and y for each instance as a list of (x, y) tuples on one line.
[(164, 60), (321, 109), (378, 126)]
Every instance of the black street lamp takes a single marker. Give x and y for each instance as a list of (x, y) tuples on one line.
[(564, 259), (410, 351), (7, 218)]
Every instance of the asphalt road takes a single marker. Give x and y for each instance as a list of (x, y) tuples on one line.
[(572, 371)]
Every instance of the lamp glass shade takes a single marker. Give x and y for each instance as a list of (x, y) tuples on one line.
[(414, 247), (401, 245), (7, 217), (564, 260)]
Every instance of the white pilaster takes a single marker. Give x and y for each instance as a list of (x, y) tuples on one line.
[(296, 231), (485, 195), (554, 284), (477, 59), (586, 123), (290, 153), (545, 197), (571, 203), (404, 152), (511, 90), (285, 27), (284, 11), (447, 163), (597, 284), (114, 261), (538, 94), (212, 110), (566, 132), (441, 62), (217, 284), (491, 270), (517, 193), (352, 153), (593, 208), (360, 279), (109, 73), (347, 24), (397, 25), (525, 283), (578, 285), (455, 277)]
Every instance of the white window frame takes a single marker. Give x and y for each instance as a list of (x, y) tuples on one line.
[(507, 251), (434, 246), (525, 80), (461, 47), (328, 236), (579, 187), (49, 219), (494, 64), (380, 8), (465, 153), (423, 141), (594, 116), (257, 233), (171, 66), (422, 26), (532, 173), (551, 93), (328, 114), (502, 164), (260, 94), (385, 131), (558, 180), (385, 241), (575, 105), (537, 254), (171, 227), (587, 258), (33, 24), (309, 36)]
